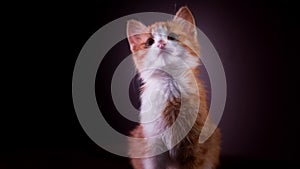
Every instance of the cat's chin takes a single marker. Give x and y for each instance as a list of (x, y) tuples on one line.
[(164, 52)]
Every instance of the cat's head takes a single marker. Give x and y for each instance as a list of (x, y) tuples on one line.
[(170, 44)]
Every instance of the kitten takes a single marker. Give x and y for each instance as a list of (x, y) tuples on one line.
[(166, 57)]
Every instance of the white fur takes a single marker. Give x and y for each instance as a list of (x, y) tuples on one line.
[(166, 75), (149, 163)]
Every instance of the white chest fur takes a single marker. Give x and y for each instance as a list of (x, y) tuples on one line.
[(159, 90)]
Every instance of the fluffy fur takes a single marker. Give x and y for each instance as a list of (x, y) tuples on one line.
[(166, 56)]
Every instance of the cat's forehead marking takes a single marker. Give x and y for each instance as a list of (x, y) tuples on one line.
[(160, 30)]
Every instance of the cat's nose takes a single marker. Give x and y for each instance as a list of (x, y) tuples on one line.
[(161, 44)]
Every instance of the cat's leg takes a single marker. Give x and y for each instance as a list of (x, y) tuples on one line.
[(136, 163), (192, 161), (136, 148), (202, 156), (213, 151), (156, 162)]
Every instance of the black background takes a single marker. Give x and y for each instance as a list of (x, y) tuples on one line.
[(39, 128)]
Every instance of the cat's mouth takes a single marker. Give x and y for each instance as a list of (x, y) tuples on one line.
[(164, 51)]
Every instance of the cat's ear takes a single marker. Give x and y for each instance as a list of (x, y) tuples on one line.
[(185, 18), (136, 33)]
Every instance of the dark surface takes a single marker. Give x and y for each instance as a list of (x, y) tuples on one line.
[(70, 159), (39, 127)]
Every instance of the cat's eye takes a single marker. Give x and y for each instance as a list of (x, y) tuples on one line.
[(149, 42), (172, 37)]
